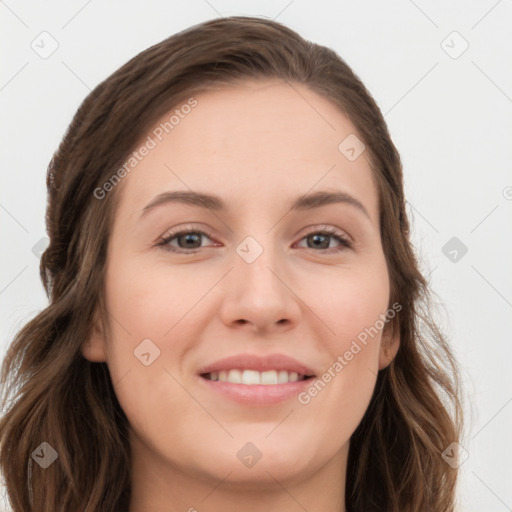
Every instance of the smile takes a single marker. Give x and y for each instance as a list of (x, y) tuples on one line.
[(254, 377)]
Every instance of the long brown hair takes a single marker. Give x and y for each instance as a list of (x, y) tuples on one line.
[(52, 394)]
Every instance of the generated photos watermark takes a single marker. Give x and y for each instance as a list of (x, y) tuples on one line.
[(151, 142), (343, 360)]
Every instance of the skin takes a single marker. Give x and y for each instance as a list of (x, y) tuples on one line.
[(257, 145)]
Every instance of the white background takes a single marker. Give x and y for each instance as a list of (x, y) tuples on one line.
[(451, 119)]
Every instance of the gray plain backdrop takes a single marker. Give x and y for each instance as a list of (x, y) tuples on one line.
[(441, 73)]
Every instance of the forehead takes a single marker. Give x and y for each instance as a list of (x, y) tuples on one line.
[(253, 143)]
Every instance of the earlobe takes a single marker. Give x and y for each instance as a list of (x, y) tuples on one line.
[(389, 347), (94, 348)]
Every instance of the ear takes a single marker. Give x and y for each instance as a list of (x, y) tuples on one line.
[(389, 345), (94, 348)]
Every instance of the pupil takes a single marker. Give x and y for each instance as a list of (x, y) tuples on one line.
[(316, 237), (190, 238)]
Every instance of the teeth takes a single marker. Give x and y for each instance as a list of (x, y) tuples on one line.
[(269, 377), (248, 376), (282, 376), (251, 377)]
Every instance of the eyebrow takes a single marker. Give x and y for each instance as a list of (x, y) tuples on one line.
[(213, 202)]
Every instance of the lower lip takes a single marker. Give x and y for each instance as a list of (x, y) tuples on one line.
[(257, 394)]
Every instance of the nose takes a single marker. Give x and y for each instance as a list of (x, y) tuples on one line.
[(259, 294)]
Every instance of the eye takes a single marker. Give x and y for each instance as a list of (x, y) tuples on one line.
[(187, 241), (320, 239)]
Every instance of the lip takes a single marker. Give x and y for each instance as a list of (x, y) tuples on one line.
[(256, 394), (258, 363)]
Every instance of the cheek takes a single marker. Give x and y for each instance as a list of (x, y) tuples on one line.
[(351, 304), (353, 309), (149, 300), (152, 321)]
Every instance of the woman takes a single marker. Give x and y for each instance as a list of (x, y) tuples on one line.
[(287, 363)]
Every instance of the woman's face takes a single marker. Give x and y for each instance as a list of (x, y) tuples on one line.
[(263, 281)]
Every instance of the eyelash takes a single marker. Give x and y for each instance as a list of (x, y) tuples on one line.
[(345, 243)]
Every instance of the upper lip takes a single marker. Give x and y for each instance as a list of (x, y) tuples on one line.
[(258, 363)]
